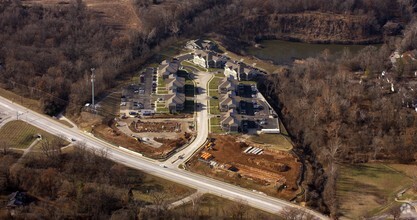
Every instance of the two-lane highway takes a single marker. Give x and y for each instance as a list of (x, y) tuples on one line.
[(199, 182)]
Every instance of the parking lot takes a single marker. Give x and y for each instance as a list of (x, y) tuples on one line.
[(137, 97)]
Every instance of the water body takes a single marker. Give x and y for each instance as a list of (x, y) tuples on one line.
[(284, 52)]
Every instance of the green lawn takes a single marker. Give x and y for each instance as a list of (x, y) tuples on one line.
[(247, 82), (214, 83), (162, 91), (161, 82), (368, 189), (215, 125), (275, 141), (214, 92), (19, 134), (214, 106), (160, 105), (215, 70), (213, 207), (187, 63), (221, 74)]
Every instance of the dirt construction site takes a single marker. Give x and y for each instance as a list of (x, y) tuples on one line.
[(268, 171)]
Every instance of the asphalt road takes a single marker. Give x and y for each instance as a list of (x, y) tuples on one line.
[(201, 99), (201, 183)]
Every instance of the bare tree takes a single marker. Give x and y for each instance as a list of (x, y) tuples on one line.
[(395, 212), (51, 150), (295, 214), (4, 147), (239, 209)]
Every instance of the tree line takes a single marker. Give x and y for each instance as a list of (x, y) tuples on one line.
[(47, 52), (342, 109)]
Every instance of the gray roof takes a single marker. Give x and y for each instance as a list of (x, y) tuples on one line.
[(178, 82), (175, 99), (228, 101), (207, 55), (168, 67), (227, 83), (230, 119)]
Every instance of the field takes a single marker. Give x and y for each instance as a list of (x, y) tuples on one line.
[(19, 134), (368, 189), (213, 207), (274, 173), (273, 141)]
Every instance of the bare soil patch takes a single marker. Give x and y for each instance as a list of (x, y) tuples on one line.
[(141, 126), (273, 172), (113, 135)]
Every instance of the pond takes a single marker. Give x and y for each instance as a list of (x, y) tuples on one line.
[(284, 52)]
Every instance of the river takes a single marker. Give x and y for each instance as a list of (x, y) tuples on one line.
[(284, 52)]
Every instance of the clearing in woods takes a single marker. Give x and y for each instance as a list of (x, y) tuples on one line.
[(119, 14), (273, 172)]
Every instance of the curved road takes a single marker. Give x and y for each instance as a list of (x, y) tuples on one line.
[(201, 80), (201, 183)]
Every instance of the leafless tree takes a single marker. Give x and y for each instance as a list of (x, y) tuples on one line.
[(295, 214), (51, 150), (5, 147)]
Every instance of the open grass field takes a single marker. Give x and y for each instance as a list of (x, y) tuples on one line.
[(273, 141), (368, 189), (214, 207), (19, 134)]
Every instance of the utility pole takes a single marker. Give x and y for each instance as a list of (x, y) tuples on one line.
[(93, 78)]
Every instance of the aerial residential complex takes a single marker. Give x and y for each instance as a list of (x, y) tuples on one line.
[(241, 107)]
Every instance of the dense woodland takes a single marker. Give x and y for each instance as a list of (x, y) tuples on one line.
[(341, 109), (84, 184), (47, 52), (336, 108)]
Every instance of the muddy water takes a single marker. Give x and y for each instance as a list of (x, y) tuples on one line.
[(284, 52)]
